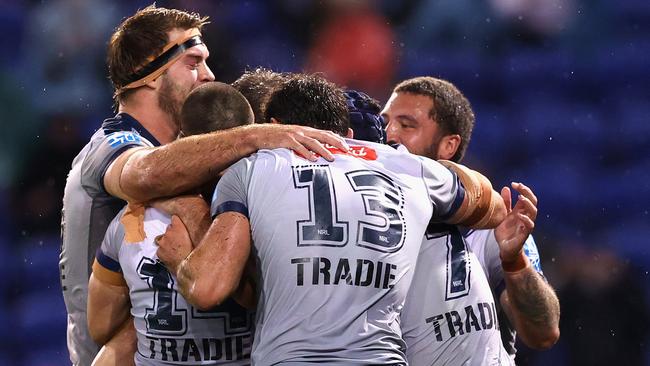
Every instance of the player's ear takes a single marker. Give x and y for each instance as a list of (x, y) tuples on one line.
[(155, 83), (448, 146), (350, 134), (273, 120)]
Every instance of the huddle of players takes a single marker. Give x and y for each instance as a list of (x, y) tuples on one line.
[(333, 245), (172, 330)]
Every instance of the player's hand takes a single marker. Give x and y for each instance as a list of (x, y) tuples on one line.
[(512, 233), (305, 141), (174, 245)]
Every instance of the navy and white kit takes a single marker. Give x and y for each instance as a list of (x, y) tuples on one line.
[(170, 331), (336, 244), (87, 211)]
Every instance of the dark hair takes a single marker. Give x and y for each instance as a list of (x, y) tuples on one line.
[(141, 36), (451, 110), (214, 106), (257, 86), (365, 117), (310, 100)]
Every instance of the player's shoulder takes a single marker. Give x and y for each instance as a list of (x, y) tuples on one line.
[(123, 129)]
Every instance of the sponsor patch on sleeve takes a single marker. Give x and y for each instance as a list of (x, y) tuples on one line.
[(530, 249), (119, 138)]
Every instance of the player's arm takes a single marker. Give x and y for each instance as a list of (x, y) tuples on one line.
[(108, 303), (481, 206), (193, 212), (529, 302), (142, 174), (211, 272), (120, 349)]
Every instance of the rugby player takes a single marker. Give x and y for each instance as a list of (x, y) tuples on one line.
[(155, 58), (432, 118), (335, 243), (128, 278)]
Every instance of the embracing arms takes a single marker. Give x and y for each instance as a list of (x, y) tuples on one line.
[(142, 174), (482, 207)]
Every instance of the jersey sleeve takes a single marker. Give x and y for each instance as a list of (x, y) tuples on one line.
[(446, 192), (531, 251), (485, 243), (101, 154), (231, 191), (107, 267)]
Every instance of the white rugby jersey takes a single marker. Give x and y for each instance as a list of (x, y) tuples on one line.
[(484, 245), (169, 330), (450, 315), (336, 244)]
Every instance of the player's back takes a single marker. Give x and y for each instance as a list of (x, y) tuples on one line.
[(450, 315), (336, 244), (169, 330)]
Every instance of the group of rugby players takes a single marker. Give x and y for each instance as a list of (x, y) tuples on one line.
[(337, 233)]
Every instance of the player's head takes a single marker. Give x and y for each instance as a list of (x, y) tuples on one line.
[(310, 100), (160, 51), (257, 86), (212, 107), (365, 118), (431, 117)]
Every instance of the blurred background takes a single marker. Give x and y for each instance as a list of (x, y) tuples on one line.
[(560, 89)]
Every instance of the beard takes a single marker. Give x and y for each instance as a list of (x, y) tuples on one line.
[(432, 150), (170, 99)]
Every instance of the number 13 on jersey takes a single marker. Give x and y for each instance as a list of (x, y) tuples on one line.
[(382, 199)]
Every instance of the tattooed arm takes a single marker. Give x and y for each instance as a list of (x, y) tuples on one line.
[(532, 307), (529, 302)]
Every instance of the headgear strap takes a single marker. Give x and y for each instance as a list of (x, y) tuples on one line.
[(156, 65)]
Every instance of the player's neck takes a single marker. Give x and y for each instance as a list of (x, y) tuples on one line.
[(158, 122)]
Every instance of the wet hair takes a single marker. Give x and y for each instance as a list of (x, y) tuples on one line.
[(141, 36), (257, 86), (310, 100), (451, 110), (214, 106)]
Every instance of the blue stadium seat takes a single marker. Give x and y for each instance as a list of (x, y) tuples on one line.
[(39, 263), (53, 355), (247, 18), (40, 319)]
